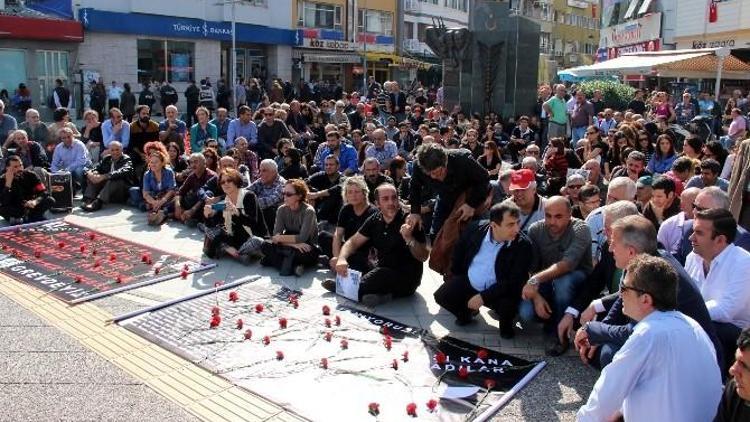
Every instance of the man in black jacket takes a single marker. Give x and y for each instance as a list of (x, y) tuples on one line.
[(475, 283), (110, 180), (23, 197), (631, 236), (449, 173), (191, 96)]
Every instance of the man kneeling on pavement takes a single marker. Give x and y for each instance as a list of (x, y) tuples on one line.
[(474, 283)]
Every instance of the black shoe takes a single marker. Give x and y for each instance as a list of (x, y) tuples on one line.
[(329, 284), (287, 266), (506, 331), (463, 322), (557, 349), (96, 205)]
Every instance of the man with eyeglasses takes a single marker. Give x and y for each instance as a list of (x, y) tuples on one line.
[(720, 270), (382, 149), (666, 370), (270, 131), (708, 198), (629, 236)]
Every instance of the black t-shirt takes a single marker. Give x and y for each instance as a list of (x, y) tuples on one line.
[(390, 245), (350, 221), (732, 407)]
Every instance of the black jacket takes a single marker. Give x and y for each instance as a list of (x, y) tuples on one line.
[(597, 281), (464, 175), (122, 169), (512, 264)]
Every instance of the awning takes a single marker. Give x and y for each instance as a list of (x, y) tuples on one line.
[(25, 28), (409, 63), (382, 57), (672, 63)]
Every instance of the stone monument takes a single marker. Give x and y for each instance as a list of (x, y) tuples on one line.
[(492, 65)]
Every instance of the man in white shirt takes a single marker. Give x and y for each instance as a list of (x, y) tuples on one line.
[(666, 370), (721, 271), (671, 230), (113, 95), (619, 189)]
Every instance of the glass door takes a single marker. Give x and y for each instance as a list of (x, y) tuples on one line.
[(51, 65), (240, 68)]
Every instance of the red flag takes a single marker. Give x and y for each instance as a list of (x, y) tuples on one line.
[(713, 13)]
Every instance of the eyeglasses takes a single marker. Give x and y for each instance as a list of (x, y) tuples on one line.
[(624, 287), (287, 194), (575, 186), (697, 208)]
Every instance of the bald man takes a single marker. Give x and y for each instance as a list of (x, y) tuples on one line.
[(562, 253)]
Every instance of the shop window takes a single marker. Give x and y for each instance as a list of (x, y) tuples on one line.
[(318, 15), (50, 65), (160, 59), (12, 70), (376, 22)]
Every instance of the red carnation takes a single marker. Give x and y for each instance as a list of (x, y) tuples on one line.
[(405, 356), (93, 252), (411, 410), (92, 236), (185, 267), (292, 297), (384, 331), (324, 363), (432, 405), (120, 279), (344, 344), (156, 270), (240, 323), (184, 274), (327, 323), (440, 358), (282, 323), (248, 334), (328, 335), (97, 263), (215, 310), (78, 279), (279, 355), (82, 248), (295, 303), (145, 258), (394, 364), (266, 340), (387, 342), (60, 244), (258, 308), (326, 310), (463, 372), (37, 253), (5, 247), (489, 383), (215, 321), (112, 257), (373, 408), (337, 320), (234, 296), (218, 284), (482, 354)]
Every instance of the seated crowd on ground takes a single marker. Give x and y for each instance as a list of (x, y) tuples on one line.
[(620, 237)]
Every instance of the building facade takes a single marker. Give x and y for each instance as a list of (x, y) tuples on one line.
[(139, 41)]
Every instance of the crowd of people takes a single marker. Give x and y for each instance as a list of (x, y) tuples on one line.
[(621, 237)]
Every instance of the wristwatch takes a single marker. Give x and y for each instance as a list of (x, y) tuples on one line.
[(533, 281)]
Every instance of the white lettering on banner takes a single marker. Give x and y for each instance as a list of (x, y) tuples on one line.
[(327, 44), (201, 29)]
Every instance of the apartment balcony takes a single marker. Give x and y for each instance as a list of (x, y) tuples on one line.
[(411, 6)]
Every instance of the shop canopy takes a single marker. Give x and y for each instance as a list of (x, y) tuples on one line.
[(706, 63)]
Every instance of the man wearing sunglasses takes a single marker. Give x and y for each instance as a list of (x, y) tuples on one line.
[(666, 370)]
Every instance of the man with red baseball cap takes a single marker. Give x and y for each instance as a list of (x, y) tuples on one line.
[(524, 195)]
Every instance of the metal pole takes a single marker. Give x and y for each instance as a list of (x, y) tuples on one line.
[(364, 37), (719, 70), (233, 72)]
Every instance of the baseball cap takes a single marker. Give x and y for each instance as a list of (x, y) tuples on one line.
[(520, 179), (644, 181)]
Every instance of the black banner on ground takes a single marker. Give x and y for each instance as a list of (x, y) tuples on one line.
[(74, 263)]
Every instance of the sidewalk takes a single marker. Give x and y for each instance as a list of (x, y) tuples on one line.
[(50, 375)]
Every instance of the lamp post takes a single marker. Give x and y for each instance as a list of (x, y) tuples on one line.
[(364, 49), (233, 54)]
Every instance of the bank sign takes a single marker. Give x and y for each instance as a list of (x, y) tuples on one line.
[(172, 27), (634, 32)]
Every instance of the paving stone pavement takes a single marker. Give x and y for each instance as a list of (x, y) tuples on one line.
[(46, 375)]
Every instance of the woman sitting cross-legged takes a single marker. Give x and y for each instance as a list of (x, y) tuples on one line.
[(243, 231), (159, 188), (294, 244)]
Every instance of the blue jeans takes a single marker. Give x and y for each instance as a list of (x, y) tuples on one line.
[(578, 133), (559, 293)]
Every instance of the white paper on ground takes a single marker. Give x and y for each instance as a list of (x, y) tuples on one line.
[(454, 392), (349, 286)]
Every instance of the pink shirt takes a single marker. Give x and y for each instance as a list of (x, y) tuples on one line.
[(737, 126)]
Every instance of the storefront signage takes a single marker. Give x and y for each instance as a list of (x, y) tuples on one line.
[(652, 45), (324, 39), (633, 32), (167, 26), (327, 44), (25, 28), (731, 43)]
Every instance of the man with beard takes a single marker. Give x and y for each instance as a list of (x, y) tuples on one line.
[(400, 247), (142, 131), (110, 180), (23, 197), (325, 191), (374, 177), (270, 131), (346, 154)]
